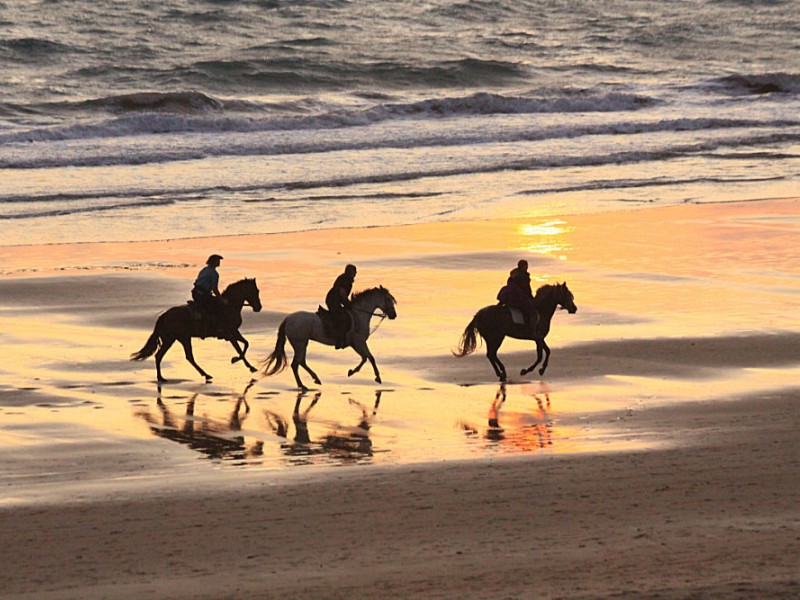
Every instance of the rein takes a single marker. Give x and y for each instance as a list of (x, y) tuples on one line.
[(381, 315)]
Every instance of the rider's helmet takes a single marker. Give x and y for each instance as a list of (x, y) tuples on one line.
[(214, 259)]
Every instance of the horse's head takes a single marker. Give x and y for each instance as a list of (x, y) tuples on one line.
[(377, 298), (565, 299), (389, 303), (245, 291)]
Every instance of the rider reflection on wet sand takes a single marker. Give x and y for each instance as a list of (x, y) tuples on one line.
[(354, 440)]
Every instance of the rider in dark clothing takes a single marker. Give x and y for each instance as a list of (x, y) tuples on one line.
[(338, 303), (517, 292), (520, 276)]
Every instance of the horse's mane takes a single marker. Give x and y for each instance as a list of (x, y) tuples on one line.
[(548, 291), (236, 284), (545, 290), (364, 293)]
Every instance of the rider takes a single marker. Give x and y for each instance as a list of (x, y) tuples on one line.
[(206, 289), (338, 303), (520, 276), (517, 292)]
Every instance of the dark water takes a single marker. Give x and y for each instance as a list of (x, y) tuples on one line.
[(224, 117)]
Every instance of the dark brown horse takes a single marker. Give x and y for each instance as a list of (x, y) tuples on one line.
[(494, 324), (179, 324)]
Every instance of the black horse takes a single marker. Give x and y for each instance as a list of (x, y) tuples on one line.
[(494, 323), (179, 324)]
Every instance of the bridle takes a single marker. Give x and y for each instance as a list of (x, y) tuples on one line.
[(373, 313)]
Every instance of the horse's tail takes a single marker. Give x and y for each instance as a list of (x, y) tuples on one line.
[(469, 339), (153, 343), (276, 362)]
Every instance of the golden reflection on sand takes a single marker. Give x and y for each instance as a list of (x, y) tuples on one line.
[(548, 237), (72, 314)]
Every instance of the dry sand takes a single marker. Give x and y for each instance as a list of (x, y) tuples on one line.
[(671, 467)]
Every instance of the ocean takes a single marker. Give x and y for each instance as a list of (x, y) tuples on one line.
[(145, 120)]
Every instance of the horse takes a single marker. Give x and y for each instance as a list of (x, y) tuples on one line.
[(494, 323), (179, 324), (301, 327)]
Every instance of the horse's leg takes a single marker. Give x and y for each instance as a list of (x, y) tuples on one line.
[(241, 351), (299, 360), (310, 372), (363, 351), (166, 344), (538, 358), (546, 358), (492, 346), (187, 350), (357, 368)]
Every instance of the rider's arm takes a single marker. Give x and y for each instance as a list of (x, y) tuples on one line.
[(345, 297)]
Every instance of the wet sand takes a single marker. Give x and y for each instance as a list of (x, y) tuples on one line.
[(658, 457)]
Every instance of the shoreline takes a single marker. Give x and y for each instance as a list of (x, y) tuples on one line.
[(18, 252), (466, 220)]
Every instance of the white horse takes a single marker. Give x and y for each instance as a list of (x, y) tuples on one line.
[(302, 326)]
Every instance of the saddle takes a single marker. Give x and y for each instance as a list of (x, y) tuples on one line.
[(329, 324), (517, 317), (207, 326)]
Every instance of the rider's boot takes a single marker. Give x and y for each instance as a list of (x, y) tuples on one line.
[(341, 336)]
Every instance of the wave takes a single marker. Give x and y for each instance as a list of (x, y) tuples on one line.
[(757, 84), (31, 49), (287, 73), (173, 112), (487, 104), (40, 156), (642, 183), (32, 206), (180, 102), (73, 209)]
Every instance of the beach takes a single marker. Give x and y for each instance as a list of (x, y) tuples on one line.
[(656, 458)]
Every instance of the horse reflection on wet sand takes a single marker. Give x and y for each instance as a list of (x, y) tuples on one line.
[(214, 439), (528, 432), (348, 444), (494, 324)]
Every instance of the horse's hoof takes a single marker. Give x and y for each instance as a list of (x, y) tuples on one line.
[(378, 379), (253, 369), (209, 378), (524, 372), (235, 359), (541, 372), (317, 381), (351, 372)]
